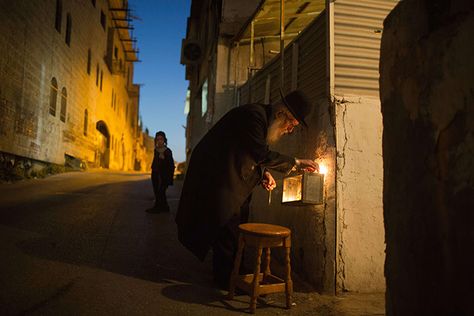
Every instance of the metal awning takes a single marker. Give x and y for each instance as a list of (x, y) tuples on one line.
[(265, 23)]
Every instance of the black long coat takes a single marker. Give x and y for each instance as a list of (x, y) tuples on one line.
[(223, 169), (164, 167)]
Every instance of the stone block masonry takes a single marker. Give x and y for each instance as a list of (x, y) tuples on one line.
[(33, 52)]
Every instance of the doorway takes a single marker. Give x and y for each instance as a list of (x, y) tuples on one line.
[(103, 145)]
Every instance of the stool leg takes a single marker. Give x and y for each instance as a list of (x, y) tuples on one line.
[(267, 263), (235, 271), (288, 282), (256, 282)]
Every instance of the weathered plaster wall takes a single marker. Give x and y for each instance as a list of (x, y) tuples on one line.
[(313, 226), (427, 94), (359, 177)]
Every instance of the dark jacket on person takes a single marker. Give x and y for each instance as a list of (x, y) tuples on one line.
[(164, 167), (223, 169)]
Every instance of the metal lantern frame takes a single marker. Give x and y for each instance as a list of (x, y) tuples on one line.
[(306, 188)]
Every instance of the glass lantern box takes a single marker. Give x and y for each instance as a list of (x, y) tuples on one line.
[(303, 189)]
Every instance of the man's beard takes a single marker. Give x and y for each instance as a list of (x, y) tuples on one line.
[(275, 131)]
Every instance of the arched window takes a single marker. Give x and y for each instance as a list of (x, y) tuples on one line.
[(89, 61), (59, 15), (86, 118), (62, 115), (53, 96), (68, 29)]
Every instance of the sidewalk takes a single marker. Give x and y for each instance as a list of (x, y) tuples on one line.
[(82, 244), (306, 300)]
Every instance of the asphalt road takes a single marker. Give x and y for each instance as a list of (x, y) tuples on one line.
[(82, 244)]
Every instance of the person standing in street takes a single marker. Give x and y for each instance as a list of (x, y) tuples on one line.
[(225, 166), (162, 171)]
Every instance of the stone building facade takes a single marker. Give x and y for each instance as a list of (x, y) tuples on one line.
[(330, 50), (66, 82)]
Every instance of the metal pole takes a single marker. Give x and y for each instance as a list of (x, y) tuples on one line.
[(252, 33), (236, 61), (282, 43)]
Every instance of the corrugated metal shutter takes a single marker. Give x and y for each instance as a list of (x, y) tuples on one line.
[(244, 95), (357, 34), (311, 72), (274, 70), (312, 64), (258, 87)]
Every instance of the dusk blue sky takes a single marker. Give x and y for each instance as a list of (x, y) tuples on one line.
[(159, 31)]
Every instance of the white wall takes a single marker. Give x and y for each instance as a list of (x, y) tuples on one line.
[(359, 186)]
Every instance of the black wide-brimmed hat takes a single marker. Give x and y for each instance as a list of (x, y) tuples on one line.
[(298, 104)]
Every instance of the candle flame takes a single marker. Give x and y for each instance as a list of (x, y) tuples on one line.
[(323, 169)]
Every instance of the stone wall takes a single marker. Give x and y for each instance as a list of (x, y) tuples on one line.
[(427, 94), (33, 52)]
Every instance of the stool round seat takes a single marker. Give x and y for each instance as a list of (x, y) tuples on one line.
[(264, 230), (261, 237)]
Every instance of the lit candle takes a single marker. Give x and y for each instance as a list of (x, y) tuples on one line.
[(323, 169)]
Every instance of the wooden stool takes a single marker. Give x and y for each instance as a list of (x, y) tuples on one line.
[(262, 236)]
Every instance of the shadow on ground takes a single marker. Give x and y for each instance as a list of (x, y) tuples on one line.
[(105, 226)]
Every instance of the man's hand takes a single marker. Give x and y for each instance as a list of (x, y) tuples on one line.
[(306, 165), (268, 183)]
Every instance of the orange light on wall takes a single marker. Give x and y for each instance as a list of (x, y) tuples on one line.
[(303, 189)]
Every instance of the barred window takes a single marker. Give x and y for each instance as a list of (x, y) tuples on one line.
[(63, 105), (53, 96), (86, 118), (89, 61), (68, 29), (59, 15)]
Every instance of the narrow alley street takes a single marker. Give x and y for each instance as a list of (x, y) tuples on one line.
[(82, 244)]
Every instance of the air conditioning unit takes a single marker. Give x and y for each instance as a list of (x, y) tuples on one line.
[(192, 52)]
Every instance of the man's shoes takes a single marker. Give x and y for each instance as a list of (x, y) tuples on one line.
[(222, 283), (244, 270), (156, 210), (152, 210)]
